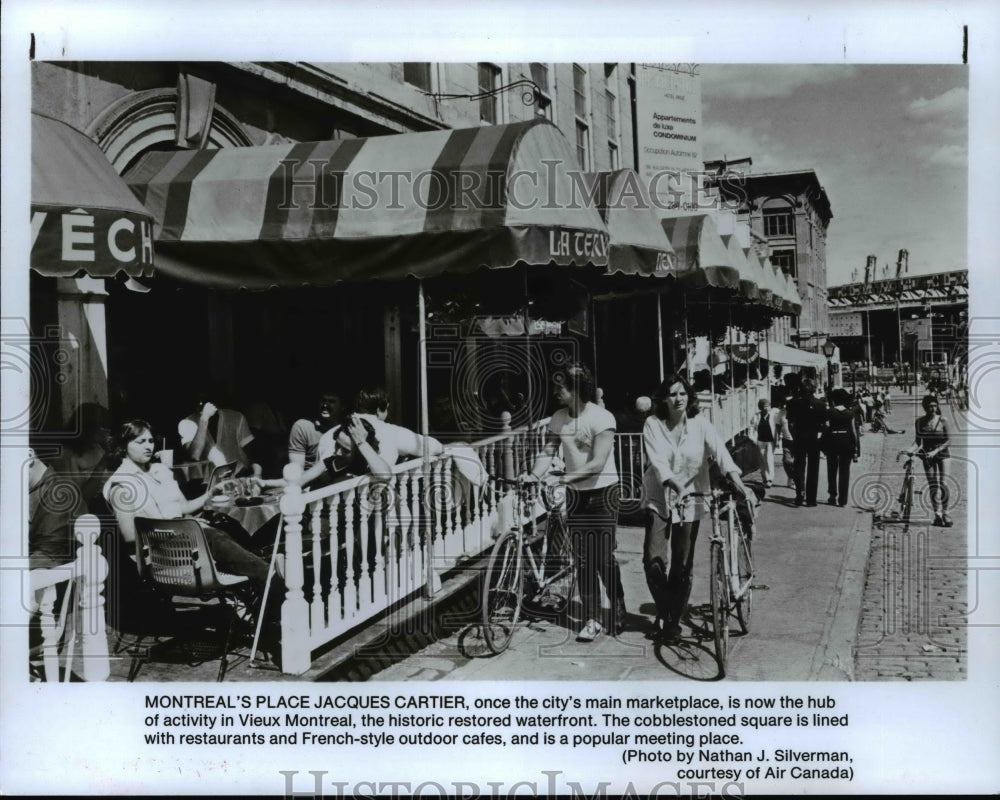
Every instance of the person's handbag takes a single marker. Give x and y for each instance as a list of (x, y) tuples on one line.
[(787, 456)]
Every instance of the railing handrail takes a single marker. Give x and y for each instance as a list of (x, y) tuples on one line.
[(343, 486)]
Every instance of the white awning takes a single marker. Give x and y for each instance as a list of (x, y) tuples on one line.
[(784, 354)]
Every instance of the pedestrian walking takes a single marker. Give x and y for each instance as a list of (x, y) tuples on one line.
[(806, 418), (767, 425), (842, 445), (933, 436)]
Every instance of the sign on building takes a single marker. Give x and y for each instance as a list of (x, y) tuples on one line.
[(919, 328), (845, 324), (668, 129)]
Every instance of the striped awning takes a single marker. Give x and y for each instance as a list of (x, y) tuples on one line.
[(792, 296), (639, 245), (702, 257), (84, 219), (765, 286), (750, 277), (778, 353), (415, 204)]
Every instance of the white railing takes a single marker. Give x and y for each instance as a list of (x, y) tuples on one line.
[(82, 614), (731, 413), (356, 548)]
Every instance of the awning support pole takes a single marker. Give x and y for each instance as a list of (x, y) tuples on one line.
[(659, 328), (432, 581)]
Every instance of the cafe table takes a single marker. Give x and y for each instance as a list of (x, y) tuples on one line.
[(252, 515)]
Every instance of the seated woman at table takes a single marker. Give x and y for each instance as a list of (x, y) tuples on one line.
[(139, 488)]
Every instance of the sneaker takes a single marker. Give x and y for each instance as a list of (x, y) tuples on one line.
[(832, 500), (589, 632), (799, 501), (768, 484), (946, 520), (811, 504), (938, 521)]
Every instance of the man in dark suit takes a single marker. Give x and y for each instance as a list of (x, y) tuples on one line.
[(806, 414)]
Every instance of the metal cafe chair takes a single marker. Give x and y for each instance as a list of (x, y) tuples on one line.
[(175, 557)]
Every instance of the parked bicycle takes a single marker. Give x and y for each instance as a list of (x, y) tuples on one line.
[(532, 565), (730, 568)]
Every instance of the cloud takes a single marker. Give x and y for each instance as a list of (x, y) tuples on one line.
[(945, 108), (949, 155), (756, 81)]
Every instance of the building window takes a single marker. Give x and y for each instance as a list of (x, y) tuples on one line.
[(779, 220), (540, 75), (582, 116), (489, 81), (418, 73), (613, 160), (614, 135), (580, 90), (786, 260), (583, 145)]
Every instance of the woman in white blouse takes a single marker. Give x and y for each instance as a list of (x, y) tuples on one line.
[(680, 446)]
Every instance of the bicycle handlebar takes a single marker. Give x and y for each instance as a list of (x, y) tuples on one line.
[(716, 494)]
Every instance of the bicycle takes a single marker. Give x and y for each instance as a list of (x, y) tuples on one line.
[(906, 492), (528, 566), (730, 568)]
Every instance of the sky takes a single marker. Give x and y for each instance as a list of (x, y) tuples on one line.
[(889, 144)]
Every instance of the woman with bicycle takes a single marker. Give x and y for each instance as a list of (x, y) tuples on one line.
[(932, 436), (680, 447), (586, 434)]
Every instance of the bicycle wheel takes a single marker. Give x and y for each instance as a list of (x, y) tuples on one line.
[(501, 595), (744, 570), (906, 500), (719, 587), (552, 595)]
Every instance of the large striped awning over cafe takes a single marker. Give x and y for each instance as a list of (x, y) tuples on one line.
[(415, 204), (639, 245), (702, 257), (84, 219)]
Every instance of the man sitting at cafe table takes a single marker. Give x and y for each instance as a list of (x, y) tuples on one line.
[(217, 435), (304, 437)]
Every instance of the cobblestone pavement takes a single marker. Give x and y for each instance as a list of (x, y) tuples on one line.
[(914, 605)]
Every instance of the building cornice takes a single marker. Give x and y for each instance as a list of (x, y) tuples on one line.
[(339, 91)]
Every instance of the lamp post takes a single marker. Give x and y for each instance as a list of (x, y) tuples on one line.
[(829, 348)]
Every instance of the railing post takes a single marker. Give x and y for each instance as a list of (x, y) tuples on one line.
[(507, 446), (93, 568), (296, 652)]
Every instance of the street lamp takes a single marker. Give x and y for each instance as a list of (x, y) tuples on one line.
[(829, 348)]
